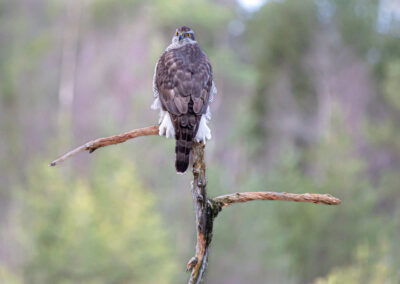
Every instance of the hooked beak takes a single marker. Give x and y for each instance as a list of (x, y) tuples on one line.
[(181, 36)]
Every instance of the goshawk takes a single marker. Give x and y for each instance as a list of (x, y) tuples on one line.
[(183, 88)]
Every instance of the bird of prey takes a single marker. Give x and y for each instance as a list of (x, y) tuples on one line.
[(183, 88)]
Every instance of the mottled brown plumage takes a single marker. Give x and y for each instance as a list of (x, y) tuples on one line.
[(184, 81)]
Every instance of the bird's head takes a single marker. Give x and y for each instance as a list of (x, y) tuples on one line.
[(183, 34)]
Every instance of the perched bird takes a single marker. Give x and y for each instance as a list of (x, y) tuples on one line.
[(183, 88)]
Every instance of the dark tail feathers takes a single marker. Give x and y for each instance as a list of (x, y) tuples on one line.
[(184, 138)]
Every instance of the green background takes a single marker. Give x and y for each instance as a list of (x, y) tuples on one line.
[(308, 101)]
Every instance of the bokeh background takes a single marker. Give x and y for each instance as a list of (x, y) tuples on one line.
[(308, 101)]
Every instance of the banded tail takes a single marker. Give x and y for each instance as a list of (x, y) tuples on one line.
[(184, 137)]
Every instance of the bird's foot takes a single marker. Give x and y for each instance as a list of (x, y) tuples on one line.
[(191, 264)]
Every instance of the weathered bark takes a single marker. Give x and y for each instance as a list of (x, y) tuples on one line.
[(204, 218), (91, 146), (206, 209), (226, 200)]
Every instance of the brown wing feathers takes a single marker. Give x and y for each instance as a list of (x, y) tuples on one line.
[(184, 80)]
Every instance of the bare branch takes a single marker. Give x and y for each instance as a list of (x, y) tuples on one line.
[(204, 221), (226, 200), (106, 141), (206, 209)]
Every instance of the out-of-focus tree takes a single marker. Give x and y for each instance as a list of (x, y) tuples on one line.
[(269, 96), (370, 265), (392, 85), (72, 233), (308, 231), (356, 21), (280, 34)]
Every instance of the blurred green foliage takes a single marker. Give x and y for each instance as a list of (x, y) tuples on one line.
[(308, 102), (280, 33), (73, 233), (371, 265), (308, 230), (356, 21), (392, 85)]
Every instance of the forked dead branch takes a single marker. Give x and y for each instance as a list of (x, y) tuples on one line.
[(206, 209)]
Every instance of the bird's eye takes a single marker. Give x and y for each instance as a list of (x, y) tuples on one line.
[(176, 33), (188, 35)]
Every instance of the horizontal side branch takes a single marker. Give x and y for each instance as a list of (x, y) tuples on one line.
[(226, 200), (106, 141), (206, 209)]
